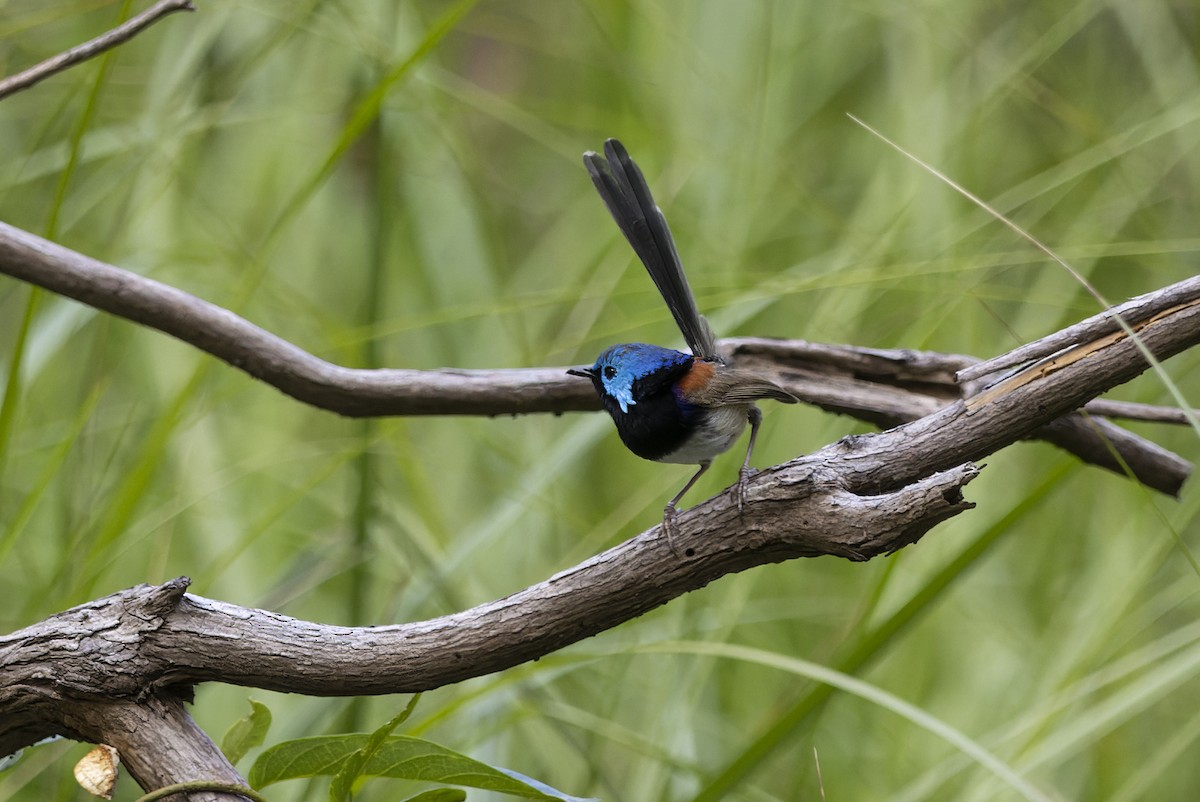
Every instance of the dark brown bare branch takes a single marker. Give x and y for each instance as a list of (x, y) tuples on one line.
[(157, 740), (1100, 442), (1016, 408), (1130, 410), (117, 670), (92, 48), (148, 641), (882, 387), (217, 331)]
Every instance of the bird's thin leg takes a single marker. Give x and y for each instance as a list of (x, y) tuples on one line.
[(669, 510), (739, 492)]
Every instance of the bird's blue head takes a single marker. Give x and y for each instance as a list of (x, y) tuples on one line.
[(624, 374)]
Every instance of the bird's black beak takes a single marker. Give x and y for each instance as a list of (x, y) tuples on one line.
[(586, 373)]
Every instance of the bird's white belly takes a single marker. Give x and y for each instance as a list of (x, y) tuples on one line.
[(720, 428)]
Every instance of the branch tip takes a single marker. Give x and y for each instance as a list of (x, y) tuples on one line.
[(91, 48)]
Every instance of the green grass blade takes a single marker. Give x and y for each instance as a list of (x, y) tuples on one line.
[(875, 643), (871, 693)]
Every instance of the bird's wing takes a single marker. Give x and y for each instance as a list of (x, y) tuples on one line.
[(624, 191), (732, 386)]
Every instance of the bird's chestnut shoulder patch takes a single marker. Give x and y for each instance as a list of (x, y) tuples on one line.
[(697, 377)]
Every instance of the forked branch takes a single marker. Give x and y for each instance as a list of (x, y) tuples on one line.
[(117, 670), (858, 498), (882, 387)]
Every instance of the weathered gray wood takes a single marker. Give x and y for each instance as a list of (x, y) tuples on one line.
[(146, 642), (87, 674)]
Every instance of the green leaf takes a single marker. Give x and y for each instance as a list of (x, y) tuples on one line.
[(439, 795), (246, 733), (352, 768), (399, 756)]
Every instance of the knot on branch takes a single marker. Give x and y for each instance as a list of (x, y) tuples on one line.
[(861, 525), (95, 650), (806, 508)]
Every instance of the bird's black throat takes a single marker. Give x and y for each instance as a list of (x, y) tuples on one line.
[(659, 422)]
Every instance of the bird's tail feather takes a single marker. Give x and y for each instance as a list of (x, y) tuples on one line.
[(623, 188)]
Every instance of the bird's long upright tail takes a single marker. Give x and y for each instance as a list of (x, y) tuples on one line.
[(624, 191)]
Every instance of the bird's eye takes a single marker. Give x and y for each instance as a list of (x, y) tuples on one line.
[(609, 371)]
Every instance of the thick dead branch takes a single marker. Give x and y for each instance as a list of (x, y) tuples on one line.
[(146, 641), (158, 741), (115, 670)]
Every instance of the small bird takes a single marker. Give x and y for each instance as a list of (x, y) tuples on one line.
[(669, 406)]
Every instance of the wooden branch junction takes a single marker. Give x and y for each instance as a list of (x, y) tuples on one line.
[(118, 670), (137, 653)]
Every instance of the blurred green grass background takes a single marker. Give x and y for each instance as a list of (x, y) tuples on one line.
[(399, 185)]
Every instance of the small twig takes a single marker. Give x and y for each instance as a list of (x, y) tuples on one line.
[(1129, 410), (94, 47)]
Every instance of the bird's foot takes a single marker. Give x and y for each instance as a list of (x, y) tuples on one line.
[(739, 489), (670, 530)]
